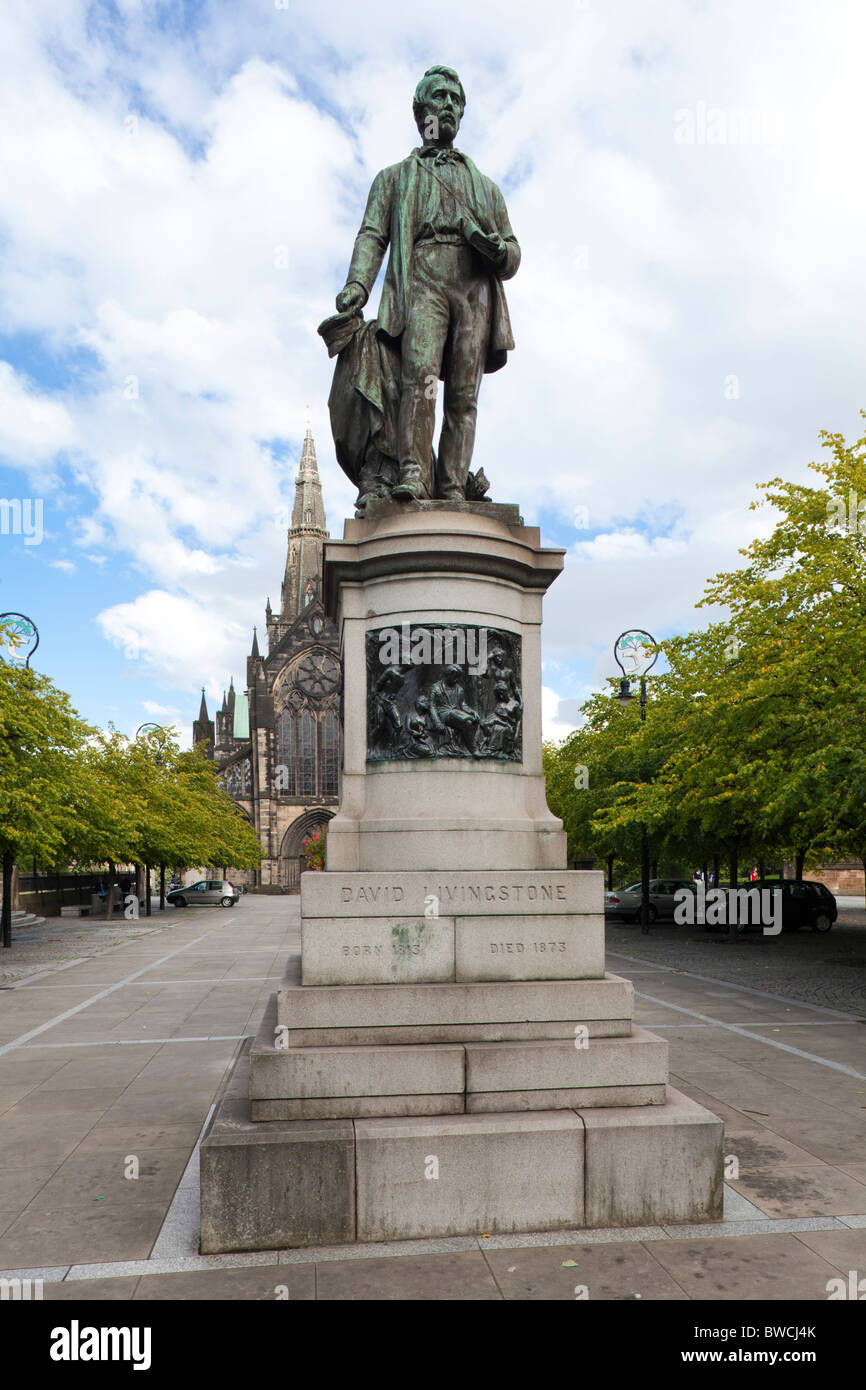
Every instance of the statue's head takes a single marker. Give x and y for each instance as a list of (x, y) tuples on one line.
[(391, 680), (452, 675), (439, 104)]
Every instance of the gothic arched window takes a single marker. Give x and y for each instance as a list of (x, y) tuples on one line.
[(306, 763), (329, 754), (286, 772)]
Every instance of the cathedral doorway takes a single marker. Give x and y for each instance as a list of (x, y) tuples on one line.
[(292, 860)]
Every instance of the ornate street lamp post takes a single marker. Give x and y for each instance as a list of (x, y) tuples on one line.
[(635, 654), (26, 629)]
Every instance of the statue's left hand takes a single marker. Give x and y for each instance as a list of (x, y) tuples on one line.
[(489, 244), (352, 296)]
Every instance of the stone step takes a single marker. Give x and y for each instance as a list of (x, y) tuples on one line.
[(497, 1011), (481, 1174), (306, 1083), (450, 1078), (287, 1184), (21, 919), (553, 1075), (496, 1173)]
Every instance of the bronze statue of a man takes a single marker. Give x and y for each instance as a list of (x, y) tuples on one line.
[(443, 314)]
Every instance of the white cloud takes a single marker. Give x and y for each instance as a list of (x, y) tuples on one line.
[(33, 427), (172, 635), (553, 726), (152, 242)]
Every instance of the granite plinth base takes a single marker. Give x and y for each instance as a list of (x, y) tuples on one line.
[(454, 1011), (285, 1184), (333, 1082)]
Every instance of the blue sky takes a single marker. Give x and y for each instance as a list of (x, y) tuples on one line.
[(180, 186)]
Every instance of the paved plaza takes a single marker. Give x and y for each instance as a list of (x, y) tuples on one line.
[(114, 1041)]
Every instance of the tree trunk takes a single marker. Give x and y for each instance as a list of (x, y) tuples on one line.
[(162, 888), (798, 865), (110, 896), (644, 879), (733, 866), (138, 886), (716, 870), (704, 872), (7, 897)]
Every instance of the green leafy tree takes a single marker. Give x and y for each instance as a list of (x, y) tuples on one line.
[(797, 612), (754, 744), (41, 740)]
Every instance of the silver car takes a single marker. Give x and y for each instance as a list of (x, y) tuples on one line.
[(625, 903), (208, 892)]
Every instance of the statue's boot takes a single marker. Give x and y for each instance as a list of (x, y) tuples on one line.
[(411, 486)]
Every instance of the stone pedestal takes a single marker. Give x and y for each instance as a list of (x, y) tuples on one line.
[(448, 1054), (439, 568)]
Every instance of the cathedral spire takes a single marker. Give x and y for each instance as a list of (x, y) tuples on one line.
[(203, 727), (307, 534), (255, 647)]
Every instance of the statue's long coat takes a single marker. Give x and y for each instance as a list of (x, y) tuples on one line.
[(365, 392), (394, 208)]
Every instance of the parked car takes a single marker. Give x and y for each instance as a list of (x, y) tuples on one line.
[(625, 903), (208, 892), (806, 904)]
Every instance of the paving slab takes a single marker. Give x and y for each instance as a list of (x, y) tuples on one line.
[(460, 1277), (95, 1290), (751, 1267), (844, 1249), (78, 1236), (87, 1178), (614, 1272), (814, 1190), (263, 1283), (755, 1148), (133, 1137), (19, 1183)]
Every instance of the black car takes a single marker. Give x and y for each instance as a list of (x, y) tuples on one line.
[(804, 904)]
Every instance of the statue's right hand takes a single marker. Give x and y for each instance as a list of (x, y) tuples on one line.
[(352, 296)]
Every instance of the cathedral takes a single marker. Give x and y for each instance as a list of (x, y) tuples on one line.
[(278, 744)]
